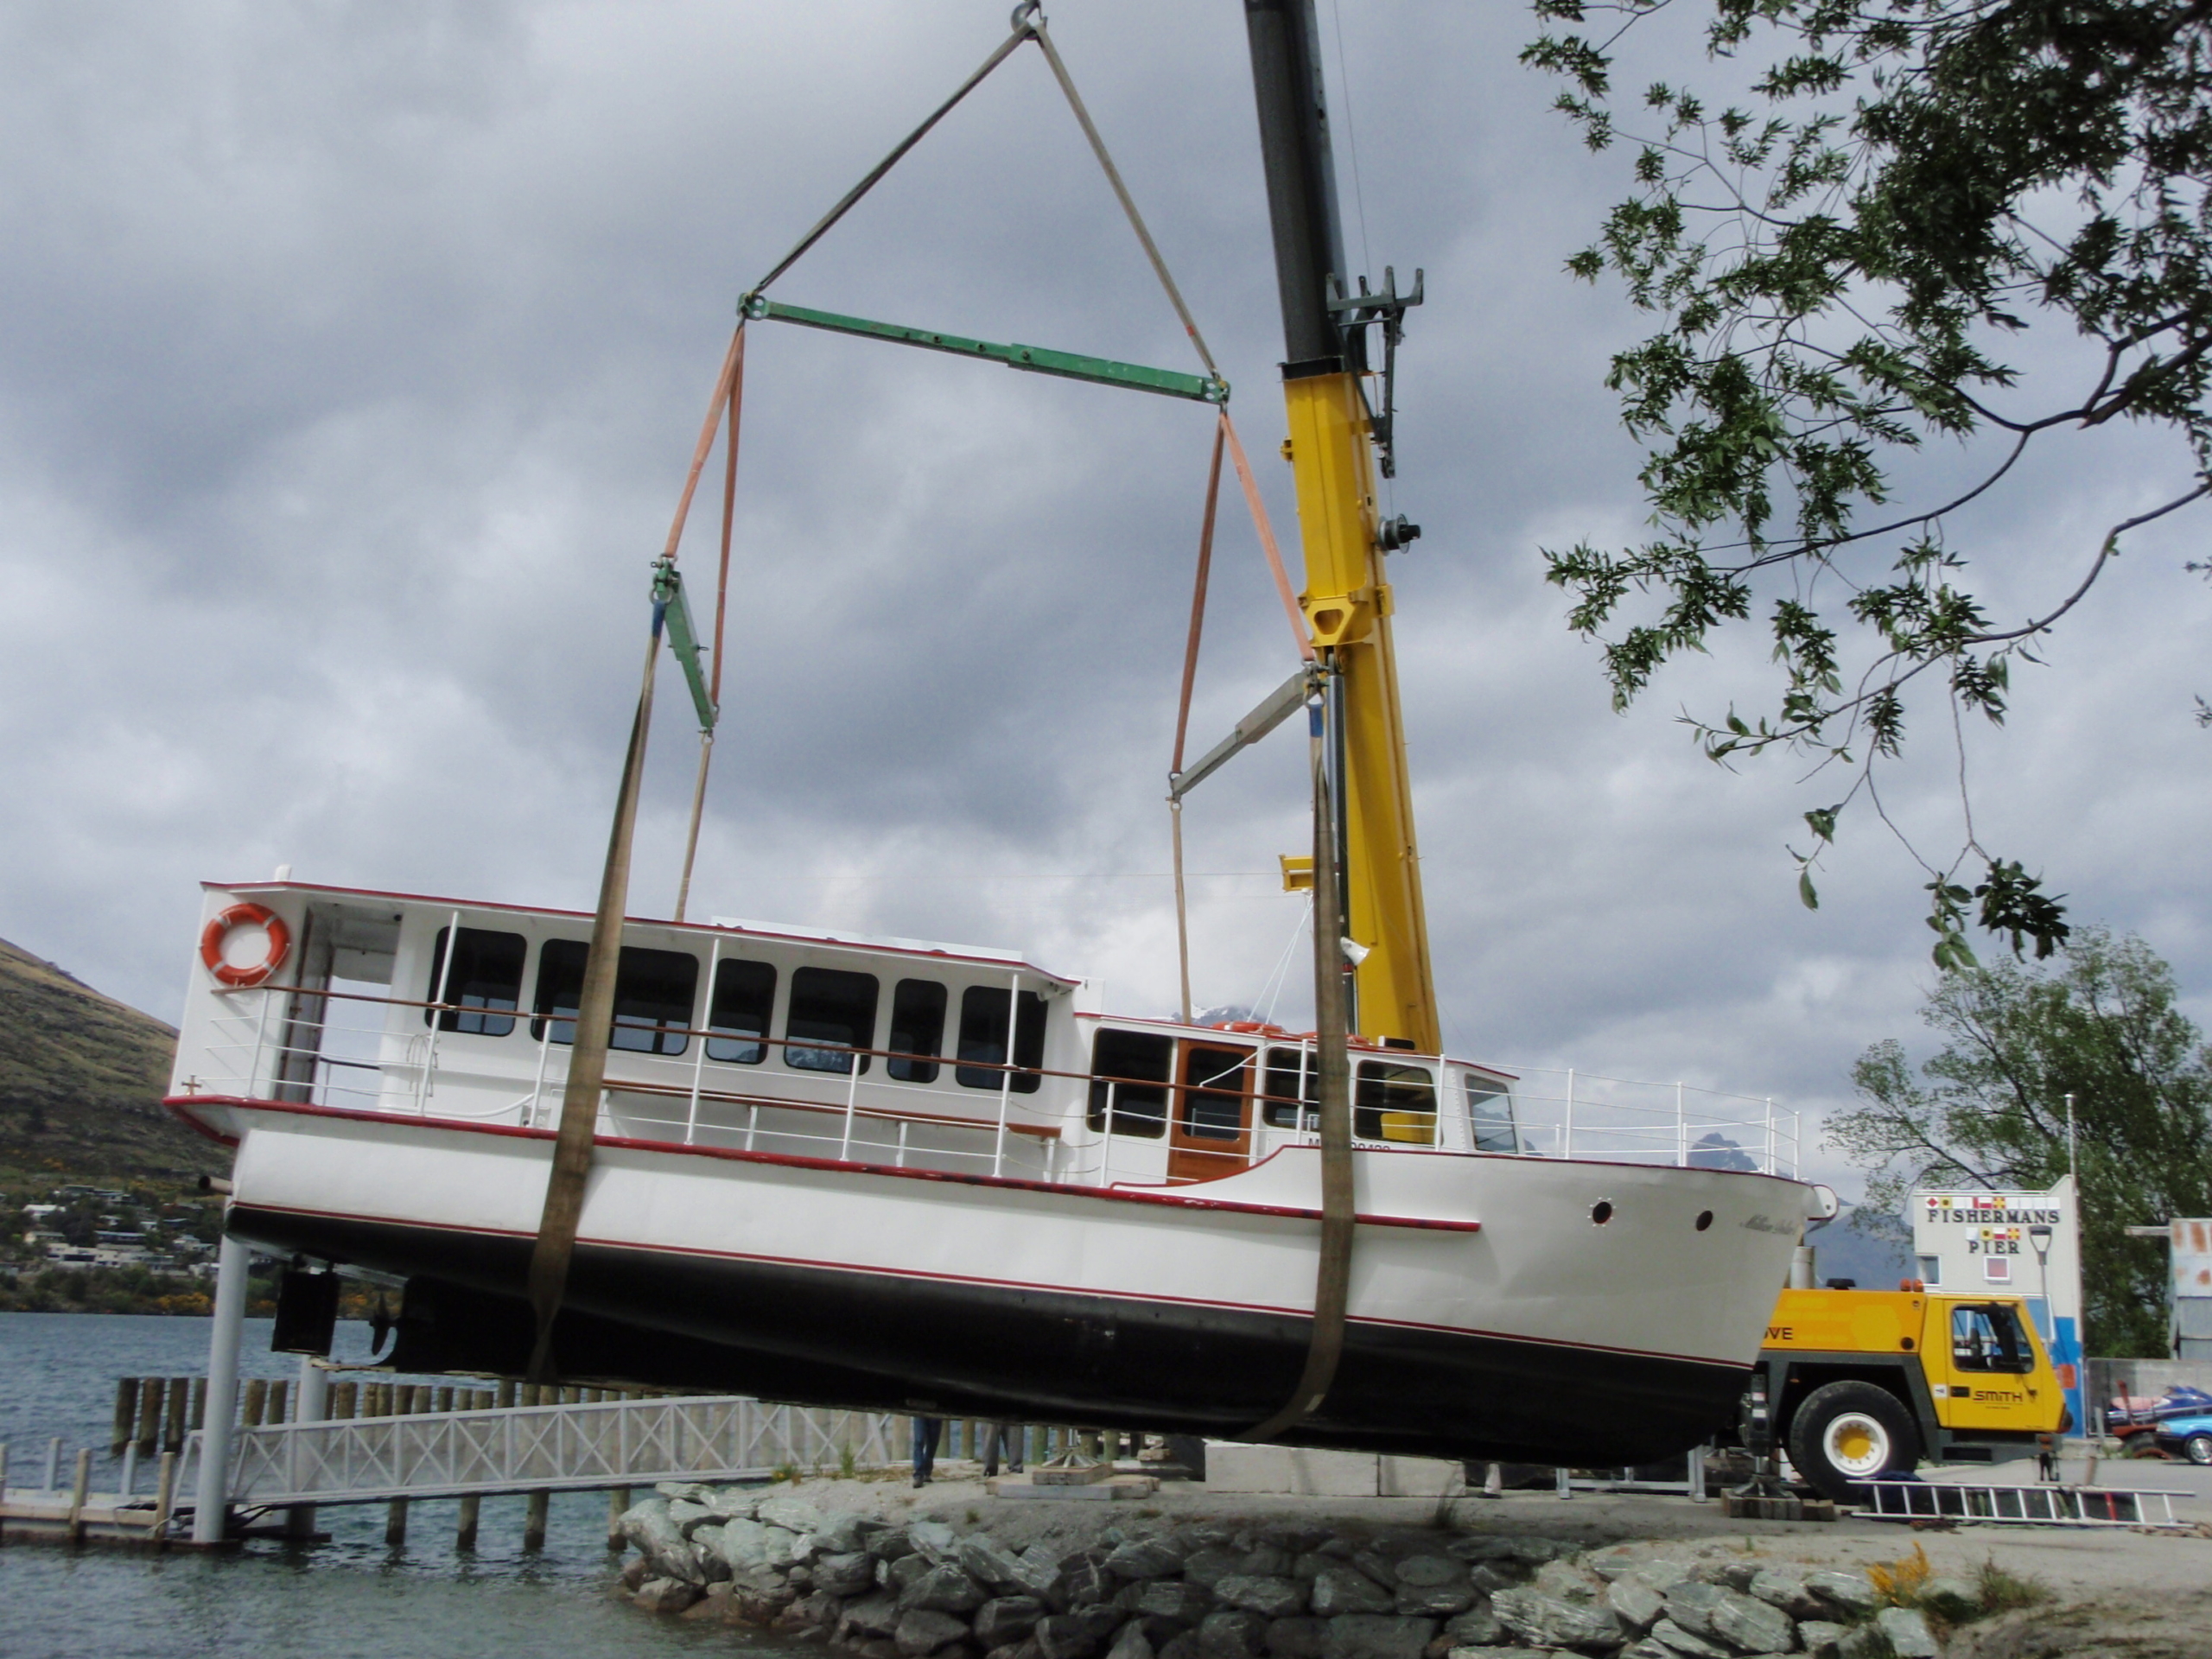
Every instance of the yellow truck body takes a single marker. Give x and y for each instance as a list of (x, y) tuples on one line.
[(1865, 1382)]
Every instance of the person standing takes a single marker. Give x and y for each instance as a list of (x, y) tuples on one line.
[(1008, 1436), (926, 1431)]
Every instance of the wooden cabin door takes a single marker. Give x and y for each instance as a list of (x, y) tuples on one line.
[(1210, 1133)]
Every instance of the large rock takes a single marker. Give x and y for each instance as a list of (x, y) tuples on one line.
[(1635, 1603), (923, 1630), (1676, 1640), (1614, 1561), (758, 1593), (1309, 1562), (891, 1544), (1428, 1572), (1853, 1592), (1298, 1639), (1156, 1557), (1268, 1597), (1783, 1588), (1483, 1547), (661, 1542), (1213, 1564), (1820, 1637), (1566, 1581), (1007, 1618), (1069, 1636), (988, 1563), (792, 1514), (1376, 1636), (667, 1595), (1378, 1563), (1492, 1576), (1545, 1620), (850, 1574), (689, 1517), (687, 1491), (1083, 1580), (1263, 1560), (1231, 1635), (1907, 1629), (1729, 1575), (1690, 1606), (841, 1533), (903, 1574), (1478, 1627), (1341, 1589), (1750, 1625), (707, 1544), (1132, 1642), (1176, 1598), (1436, 1601), (1661, 1575), (943, 1590), (869, 1616), (933, 1538), (1036, 1570), (1649, 1648)]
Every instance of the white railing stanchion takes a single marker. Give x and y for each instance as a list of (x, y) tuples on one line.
[(699, 1060), (852, 1099), (1682, 1131), (1567, 1140), (1005, 1074)]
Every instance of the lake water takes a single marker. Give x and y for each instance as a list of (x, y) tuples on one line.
[(352, 1597)]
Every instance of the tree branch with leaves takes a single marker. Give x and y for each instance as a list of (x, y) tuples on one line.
[(1842, 261)]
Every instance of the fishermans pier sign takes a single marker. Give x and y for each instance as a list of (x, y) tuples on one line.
[(2007, 1243)]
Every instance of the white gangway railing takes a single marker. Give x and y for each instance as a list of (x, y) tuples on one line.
[(546, 1448)]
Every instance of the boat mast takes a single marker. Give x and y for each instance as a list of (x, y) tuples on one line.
[(1347, 599)]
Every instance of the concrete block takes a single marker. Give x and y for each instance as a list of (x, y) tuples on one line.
[(1232, 1467), (1416, 1477)]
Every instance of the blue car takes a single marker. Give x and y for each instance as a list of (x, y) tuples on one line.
[(2187, 1437)]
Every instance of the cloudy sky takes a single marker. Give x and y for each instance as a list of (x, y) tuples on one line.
[(352, 354)]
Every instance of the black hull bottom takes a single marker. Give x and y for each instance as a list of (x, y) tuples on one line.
[(877, 1342)]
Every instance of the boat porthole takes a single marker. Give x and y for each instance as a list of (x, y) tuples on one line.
[(1602, 1212), (1704, 1219)]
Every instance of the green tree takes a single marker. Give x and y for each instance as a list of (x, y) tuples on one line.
[(2101, 1027), (1847, 259)]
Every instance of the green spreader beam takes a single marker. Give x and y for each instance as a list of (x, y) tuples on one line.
[(682, 638), (1068, 365)]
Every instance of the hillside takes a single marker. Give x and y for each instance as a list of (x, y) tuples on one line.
[(81, 1079)]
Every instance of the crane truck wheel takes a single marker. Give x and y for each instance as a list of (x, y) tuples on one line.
[(1845, 1432), (2198, 1447)]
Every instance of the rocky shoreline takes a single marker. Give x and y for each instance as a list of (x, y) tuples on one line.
[(1147, 1588)]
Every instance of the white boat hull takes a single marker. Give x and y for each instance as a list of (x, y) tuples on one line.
[(1492, 1316)]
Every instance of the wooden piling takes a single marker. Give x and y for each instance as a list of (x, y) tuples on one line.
[(445, 1400), (464, 1534), (173, 1429), (4, 1488), (618, 1503), (257, 1400), (533, 1519), (77, 1491), (126, 1416), (199, 1419), (343, 1396), (164, 1499), (395, 1517), (149, 1414), (506, 1392), (279, 1395)]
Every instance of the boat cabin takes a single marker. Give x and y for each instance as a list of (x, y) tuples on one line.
[(770, 1039)]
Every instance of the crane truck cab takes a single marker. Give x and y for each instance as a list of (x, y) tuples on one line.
[(1865, 1383)]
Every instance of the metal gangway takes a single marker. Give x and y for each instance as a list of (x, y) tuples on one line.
[(547, 1448), (2041, 1506)]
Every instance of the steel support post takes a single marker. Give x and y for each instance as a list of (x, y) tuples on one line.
[(212, 1502), (313, 1407)]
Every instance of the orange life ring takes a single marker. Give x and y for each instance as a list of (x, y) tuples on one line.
[(212, 939)]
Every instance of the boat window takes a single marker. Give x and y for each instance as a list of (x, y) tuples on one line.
[(1129, 1071), (1284, 1091), (653, 990), (1213, 1096), (1989, 1339), (745, 992), (1489, 1116), (830, 1005), (486, 975), (982, 1038), (1394, 1102), (654, 994), (917, 1030)]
